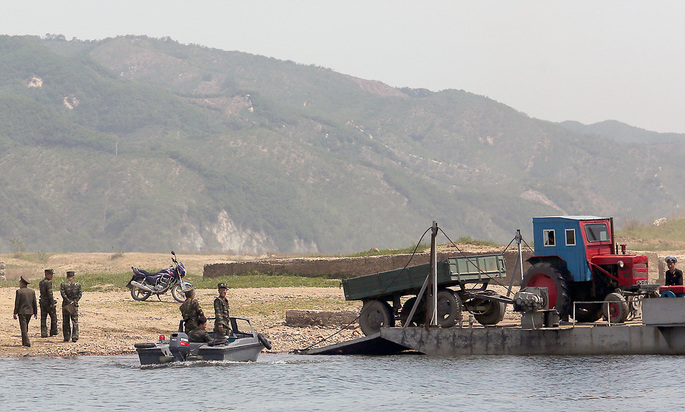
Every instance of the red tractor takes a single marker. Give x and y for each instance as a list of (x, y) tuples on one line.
[(577, 261)]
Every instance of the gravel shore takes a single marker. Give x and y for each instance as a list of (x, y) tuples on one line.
[(111, 322)]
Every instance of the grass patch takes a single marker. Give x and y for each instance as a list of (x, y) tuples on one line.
[(37, 257), (408, 250), (670, 235), (99, 282), (466, 240), (263, 281)]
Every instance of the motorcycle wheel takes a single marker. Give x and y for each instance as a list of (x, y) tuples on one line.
[(177, 293), (140, 294)]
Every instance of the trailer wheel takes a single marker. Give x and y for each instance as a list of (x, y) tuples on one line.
[(493, 313), (543, 274), (419, 316), (588, 312), (615, 308), (375, 314), (449, 308)]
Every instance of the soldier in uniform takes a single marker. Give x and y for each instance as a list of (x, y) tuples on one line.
[(25, 306), (71, 294), (200, 333), (48, 305), (190, 311), (221, 319)]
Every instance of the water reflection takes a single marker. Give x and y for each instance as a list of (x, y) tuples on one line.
[(280, 381)]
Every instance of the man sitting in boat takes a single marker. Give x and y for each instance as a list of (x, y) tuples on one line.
[(200, 333), (190, 311)]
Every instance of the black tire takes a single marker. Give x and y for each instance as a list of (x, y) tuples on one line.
[(147, 345), (615, 308), (264, 341), (419, 315), (375, 314), (177, 293), (139, 294), (449, 308), (492, 315), (588, 312), (543, 274)]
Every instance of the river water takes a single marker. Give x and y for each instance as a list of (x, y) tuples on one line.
[(279, 382)]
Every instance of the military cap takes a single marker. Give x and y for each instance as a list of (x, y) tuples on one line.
[(49, 272), (70, 273), (221, 286), (670, 259), (21, 279)]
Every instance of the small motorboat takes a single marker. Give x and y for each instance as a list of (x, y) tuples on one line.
[(242, 345)]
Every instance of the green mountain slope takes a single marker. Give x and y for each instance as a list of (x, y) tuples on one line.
[(134, 143)]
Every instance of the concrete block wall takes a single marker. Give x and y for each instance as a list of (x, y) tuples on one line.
[(345, 267)]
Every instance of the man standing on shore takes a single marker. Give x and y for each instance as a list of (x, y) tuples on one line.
[(190, 311), (71, 294), (48, 305), (24, 307), (221, 317)]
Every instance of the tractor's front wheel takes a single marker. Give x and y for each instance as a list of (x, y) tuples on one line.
[(543, 274), (615, 308)]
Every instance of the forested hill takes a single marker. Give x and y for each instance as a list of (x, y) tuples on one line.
[(133, 143)]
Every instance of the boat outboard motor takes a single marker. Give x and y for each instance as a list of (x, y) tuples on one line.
[(179, 346)]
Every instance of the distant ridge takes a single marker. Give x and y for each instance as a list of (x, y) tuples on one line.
[(134, 143)]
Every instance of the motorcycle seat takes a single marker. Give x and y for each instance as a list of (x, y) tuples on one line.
[(149, 274)]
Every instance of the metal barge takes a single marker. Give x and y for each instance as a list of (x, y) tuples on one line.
[(661, 332)]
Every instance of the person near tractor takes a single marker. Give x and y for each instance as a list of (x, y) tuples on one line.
[(24, 307), (48, 305), (674, 276), (71, 295), (190, 311), (221, 316), (200, 333)]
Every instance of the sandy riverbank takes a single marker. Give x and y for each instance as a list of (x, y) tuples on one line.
[(111, 322)]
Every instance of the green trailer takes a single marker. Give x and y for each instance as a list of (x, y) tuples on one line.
[(462, 284)]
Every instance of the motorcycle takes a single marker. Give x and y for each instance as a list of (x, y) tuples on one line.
[(143, 284)]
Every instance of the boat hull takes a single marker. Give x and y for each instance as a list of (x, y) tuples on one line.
[(240, 350)]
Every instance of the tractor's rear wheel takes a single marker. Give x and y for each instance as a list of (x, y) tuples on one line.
[(375, 314), (615, 308), (588, 312), (543, 274)]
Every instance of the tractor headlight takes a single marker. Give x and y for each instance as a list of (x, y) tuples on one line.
[(621, 264)]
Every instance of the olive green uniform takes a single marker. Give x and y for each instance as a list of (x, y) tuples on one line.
[(221, 317), (25, 306), (190, 311), (199, 335), (47, 307), (71, 292)]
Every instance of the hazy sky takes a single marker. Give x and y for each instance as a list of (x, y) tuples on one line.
[(554, 60)]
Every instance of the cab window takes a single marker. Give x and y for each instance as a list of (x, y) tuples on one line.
[(570, 237), (597, 232), (548, 235)]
